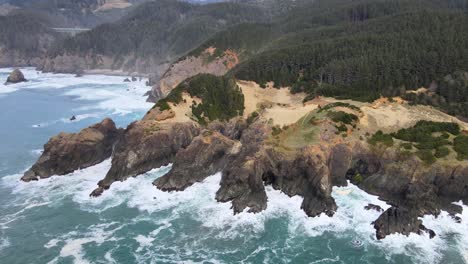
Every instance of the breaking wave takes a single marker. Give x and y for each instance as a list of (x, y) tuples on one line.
[(191, 225)]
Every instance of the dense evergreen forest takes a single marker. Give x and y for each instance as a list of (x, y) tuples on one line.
[(359, 49)]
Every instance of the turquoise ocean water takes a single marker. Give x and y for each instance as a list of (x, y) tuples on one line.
[(54, 220)]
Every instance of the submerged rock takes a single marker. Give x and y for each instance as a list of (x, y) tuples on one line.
[(67, 152), (15, 76)]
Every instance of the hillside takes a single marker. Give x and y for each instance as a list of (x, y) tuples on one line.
[(354, 49), (24, 39), (150, 36)]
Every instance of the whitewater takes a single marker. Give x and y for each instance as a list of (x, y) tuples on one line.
[(55, 221)]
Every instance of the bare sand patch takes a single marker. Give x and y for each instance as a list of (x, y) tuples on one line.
[(390, 117), (279, 105)]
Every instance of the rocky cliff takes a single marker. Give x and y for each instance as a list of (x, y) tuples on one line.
[(66, 153), (330, 146)]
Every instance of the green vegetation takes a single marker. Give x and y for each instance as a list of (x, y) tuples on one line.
[(163, 105), (422, 133), (339, 104), (252, 117), (26, 33), (221, 98), (460, 145), (342, 117), (442, 152), (426, 156), (429, 147), (157, 31), (451, 94), (357, 179), (407, 146), (354, 49), (381, 138)]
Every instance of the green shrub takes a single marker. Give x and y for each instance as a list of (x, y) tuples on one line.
[(407, 146), (357, 179), (342, 117), (460, 145), (441, 152), (252, 117), (423, 130), (339, 104), (426, 156), (163, 105), (276, 130), (380, 137)]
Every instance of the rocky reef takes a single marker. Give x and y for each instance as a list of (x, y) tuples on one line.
[(66, 153)]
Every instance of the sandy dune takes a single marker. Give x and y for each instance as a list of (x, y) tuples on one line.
[(279, 105)]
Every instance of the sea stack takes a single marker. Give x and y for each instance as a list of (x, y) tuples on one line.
[(15, 76)]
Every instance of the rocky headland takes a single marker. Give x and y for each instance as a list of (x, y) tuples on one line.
[(324, 143)]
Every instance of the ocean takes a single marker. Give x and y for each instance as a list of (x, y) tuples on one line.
[(55, 221)]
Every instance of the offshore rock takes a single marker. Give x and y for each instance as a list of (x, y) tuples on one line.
[(15, 76), (66, 152)]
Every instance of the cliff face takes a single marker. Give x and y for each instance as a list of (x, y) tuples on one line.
[(329, 146), (66, 153), (146, 145)]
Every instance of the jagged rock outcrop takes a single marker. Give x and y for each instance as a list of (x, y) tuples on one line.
[(16, 76), (146, 145), (399, 220), (248, 165), (206, 155), (66, 152)]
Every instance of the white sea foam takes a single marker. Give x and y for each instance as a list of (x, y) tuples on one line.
[(351, 221), (109, 92), (74, 241), (4, 243)]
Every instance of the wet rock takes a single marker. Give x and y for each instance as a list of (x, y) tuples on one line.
[(373, 207), (66, 152), (146, 145), (134, 79), (15, 76), (126, 80), (205, 156), (73, 118), (398, 220)]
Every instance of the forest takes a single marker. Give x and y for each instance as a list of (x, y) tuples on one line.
[(360, 50)]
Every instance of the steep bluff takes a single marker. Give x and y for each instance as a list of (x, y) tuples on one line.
[(330, 146), (66, 153)]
